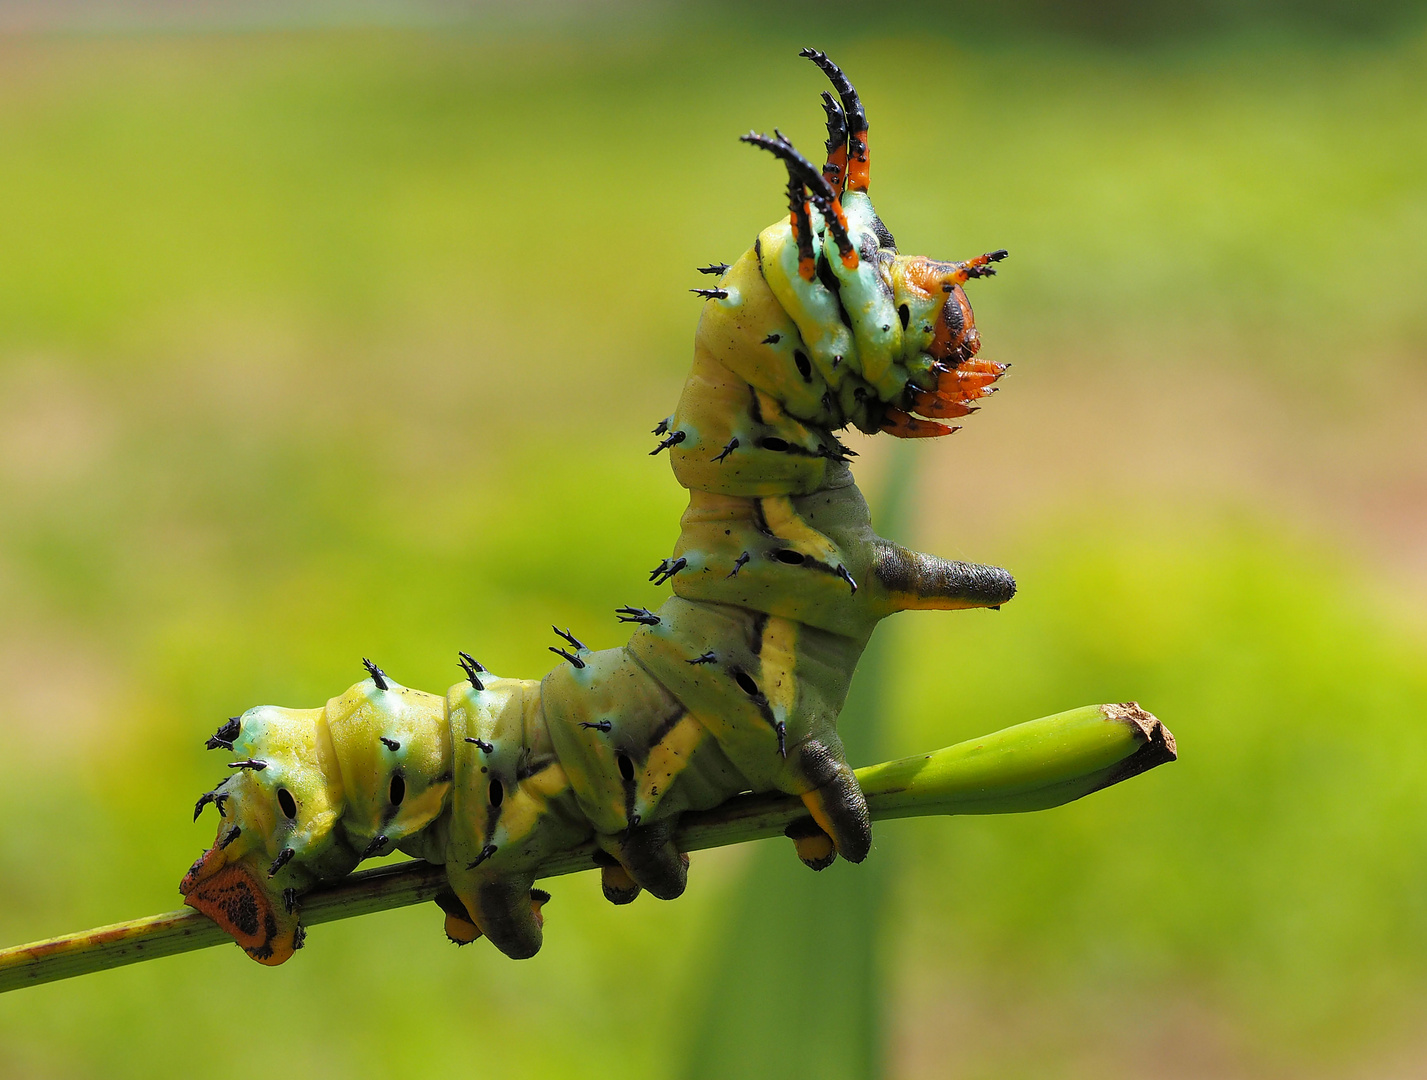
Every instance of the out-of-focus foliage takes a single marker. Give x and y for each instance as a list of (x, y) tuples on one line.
[(316, 345)]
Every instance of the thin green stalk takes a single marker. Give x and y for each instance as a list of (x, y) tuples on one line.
[(1032, 766)]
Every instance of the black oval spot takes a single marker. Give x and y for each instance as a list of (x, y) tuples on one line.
[(905, 314), (398, 789), (626, 768), (287, 803), (789, 556), (497, 792), (772, 442), (746, 683), (805, 366)]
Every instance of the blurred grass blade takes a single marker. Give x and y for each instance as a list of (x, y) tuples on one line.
[(1028, 767)]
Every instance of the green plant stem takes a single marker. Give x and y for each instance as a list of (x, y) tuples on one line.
[(1032, 766)]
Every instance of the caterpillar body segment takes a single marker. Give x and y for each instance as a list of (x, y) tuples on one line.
[(734, 684)]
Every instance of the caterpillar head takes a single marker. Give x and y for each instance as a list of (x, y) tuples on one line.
[(891, 334), (313, 792)]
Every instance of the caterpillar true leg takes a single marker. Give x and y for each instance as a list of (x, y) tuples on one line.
[(734, 684)]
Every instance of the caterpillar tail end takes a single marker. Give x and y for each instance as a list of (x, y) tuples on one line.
[(238, 899)]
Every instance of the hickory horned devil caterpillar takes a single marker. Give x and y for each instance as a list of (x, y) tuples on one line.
[(733, 685)]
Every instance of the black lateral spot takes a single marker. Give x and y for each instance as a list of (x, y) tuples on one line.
[(746, 684), (772, 442), (397, 792), (377, 674), (789, 556), (497, 792), (905, 314), (626, 768), (390, 744), (805, 366), (286, 803)]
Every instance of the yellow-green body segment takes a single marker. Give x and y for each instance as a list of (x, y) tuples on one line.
[(734, 684)]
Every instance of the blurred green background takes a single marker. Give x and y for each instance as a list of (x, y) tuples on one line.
[(337, 331)]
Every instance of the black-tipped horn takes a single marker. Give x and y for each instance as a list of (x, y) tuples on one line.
[(856, 174), (821, 192)]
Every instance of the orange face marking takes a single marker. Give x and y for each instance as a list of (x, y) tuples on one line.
[(234, 898)]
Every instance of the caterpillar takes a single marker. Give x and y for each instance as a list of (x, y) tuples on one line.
[(734, 684)]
